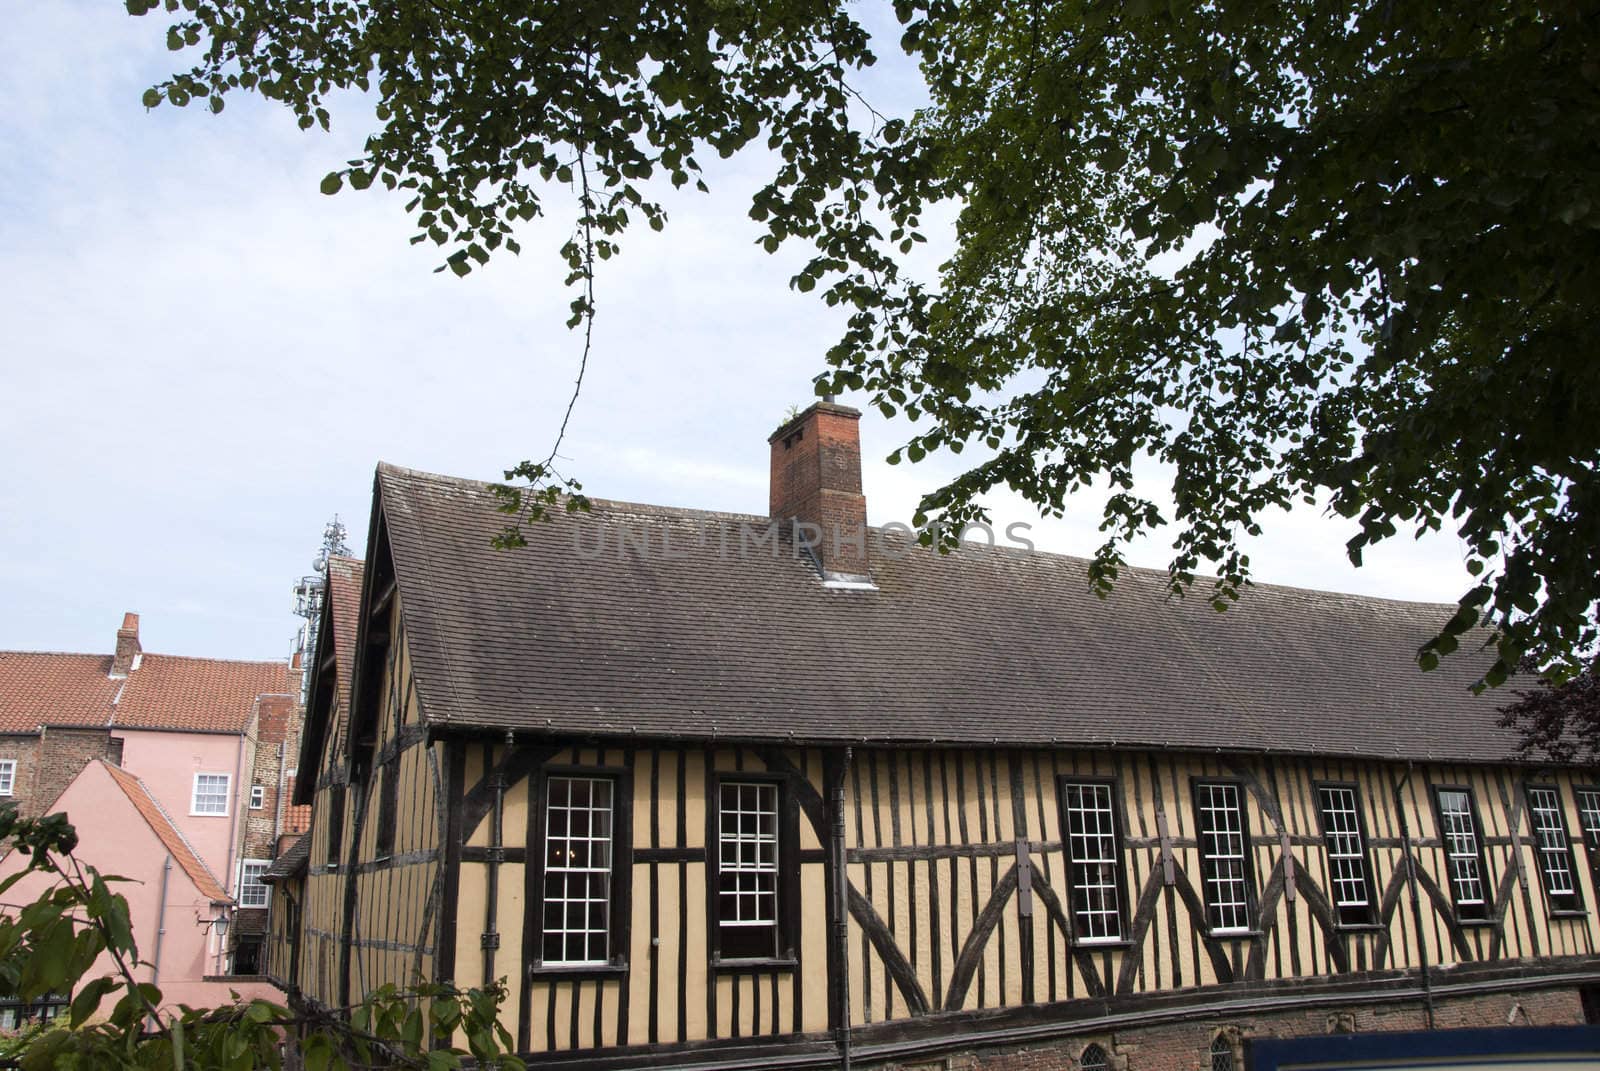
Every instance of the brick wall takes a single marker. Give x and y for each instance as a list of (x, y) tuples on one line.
[(277, 744), (1186, 1046), (47, 763)]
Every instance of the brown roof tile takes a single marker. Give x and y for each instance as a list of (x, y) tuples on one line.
[(165, 692), (46, 688), (291, 862), (344, 598), (204, 694), (171, 838), (977, 647)]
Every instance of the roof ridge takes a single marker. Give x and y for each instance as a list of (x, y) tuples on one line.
[(686, 512), (59, 654), (228, 661)]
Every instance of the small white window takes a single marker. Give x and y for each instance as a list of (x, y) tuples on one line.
[(258, 797), (210, 794), (252, 892), (8, 776)]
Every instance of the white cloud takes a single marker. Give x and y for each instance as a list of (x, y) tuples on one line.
[(205, 357)]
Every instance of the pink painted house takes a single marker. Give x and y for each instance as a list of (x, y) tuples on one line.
[(174, 899), (135, 746)]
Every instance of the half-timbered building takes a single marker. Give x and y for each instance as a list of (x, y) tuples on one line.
[(708, 790)]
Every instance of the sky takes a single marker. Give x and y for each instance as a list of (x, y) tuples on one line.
[(204, 358)]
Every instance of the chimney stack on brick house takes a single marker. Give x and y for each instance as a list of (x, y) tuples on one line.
[(816, 487), (127, 655)]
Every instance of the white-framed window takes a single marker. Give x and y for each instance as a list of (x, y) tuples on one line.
[(577, 872), (1347, 854), (8, 776), (258, 797), (1553, 849), (1462, 852), (210, 793), (1222, 855), (1589, 815), (252, 891), (747, 870), (1095, 863)]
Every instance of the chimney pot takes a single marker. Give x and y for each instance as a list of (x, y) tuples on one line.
[(816, 481), (128, 649)]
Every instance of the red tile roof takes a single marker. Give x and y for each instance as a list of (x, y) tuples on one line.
[(158, 820), (45, 688), (345, 576), (164, 692), (205, 694), (295, 819)]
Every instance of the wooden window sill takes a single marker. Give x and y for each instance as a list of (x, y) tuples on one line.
[(578, 970), (770, 963)]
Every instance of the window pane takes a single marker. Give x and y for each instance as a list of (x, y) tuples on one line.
[(1460, 835), (747, 889), (1222, 856), (1550, 836), (577, 878), (1347, 856), (1092, 849), (210, 794), (252, 892)]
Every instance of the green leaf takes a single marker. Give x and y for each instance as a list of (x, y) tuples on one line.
[(331, 183), (87, 1000)]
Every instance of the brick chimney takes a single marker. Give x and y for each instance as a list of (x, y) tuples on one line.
[(816, 487), (122, 663)]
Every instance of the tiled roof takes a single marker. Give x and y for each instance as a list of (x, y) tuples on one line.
[(977, 647), (171, 838), (47, 688), (344, 599), (165, 692), (341, 624), (291, 862), (295, 818), (207, 694)]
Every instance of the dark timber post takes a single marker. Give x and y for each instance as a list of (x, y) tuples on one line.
[(494, 857), (835, 766), (1416, 901)]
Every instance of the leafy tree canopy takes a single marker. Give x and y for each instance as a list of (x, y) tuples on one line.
[(1317, 250)]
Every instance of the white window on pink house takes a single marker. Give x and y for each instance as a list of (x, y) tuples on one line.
[(210, 793)]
